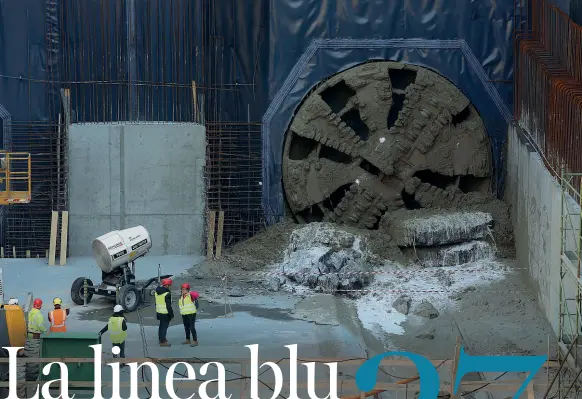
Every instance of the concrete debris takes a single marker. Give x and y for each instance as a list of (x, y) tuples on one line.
[(426, 309), (452, 255), (413, 229), (324, 257), (402, 304), (425, 336), (275, 283), (236, 292), (445, 278)]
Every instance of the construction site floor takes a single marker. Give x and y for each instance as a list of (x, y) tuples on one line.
[(323, 326)]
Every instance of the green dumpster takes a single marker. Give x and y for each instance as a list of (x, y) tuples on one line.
[(70, 345)]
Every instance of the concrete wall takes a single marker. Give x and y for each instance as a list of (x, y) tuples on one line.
[(535, 197), (123, 175)]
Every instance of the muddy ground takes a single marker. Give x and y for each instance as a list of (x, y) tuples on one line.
[(501, 318)]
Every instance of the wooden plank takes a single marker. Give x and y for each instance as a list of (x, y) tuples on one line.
[(53, 238), (28, 253), (64, 237), (530, 391), (455, 365), (219, 234), (210, 238), (195, 102)]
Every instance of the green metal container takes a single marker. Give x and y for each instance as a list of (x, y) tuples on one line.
[(70, 345)]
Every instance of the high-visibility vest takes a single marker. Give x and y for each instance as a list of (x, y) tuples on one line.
[(58, 318), (36, 322), (186, 305), (115, 328), (161, 307)]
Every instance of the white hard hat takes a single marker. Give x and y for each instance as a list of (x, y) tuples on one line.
[(117, 309), (13, 301)]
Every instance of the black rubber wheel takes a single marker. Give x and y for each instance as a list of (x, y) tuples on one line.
[(129, 298), (78, 291)]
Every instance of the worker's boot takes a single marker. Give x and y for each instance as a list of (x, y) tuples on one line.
[(187, 342), (194, 343), (165, 344)]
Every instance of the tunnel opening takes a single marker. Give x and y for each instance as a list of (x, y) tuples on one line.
[(312, 214), (435, 179), (338, 96), (334, 155), (397, 105), (368, 167), (462, 116), (470, 183), (301, 147), (402, 78), (354, 121), (335, 198), (409, 201)]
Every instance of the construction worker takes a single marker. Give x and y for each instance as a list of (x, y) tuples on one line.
[(58, 317), (117, 328), (36, 320), (164, 311), (188, 303)]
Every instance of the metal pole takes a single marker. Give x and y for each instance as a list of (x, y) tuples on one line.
[(159, 274), (85, 292)]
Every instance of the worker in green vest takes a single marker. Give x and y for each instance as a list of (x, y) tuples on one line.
[(36, 320), (164, 311), (117, 327)]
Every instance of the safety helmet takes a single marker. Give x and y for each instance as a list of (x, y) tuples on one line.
[(167, 281), (57, 301), (186, 285), (117, 309), (13, 301), (37, 303), (196, 295)]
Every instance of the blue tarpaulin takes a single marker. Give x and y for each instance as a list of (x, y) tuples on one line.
[(272, 51)]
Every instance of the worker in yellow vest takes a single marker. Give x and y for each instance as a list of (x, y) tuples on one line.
[(188, 303), (117, 327), (36, 320), (164, 311), (58, 317)]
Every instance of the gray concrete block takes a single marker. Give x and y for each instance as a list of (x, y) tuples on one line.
[(122, 175)]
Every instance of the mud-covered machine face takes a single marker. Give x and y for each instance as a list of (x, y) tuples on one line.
[(115, 254), (376, 138)]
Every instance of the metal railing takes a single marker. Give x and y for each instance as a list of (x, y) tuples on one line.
[(15, 177)]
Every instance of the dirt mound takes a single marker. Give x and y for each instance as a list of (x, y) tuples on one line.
[(262, 249)]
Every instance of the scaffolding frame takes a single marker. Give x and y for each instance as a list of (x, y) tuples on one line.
[(570, 320)]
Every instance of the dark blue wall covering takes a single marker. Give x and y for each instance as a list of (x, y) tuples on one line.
[(276, 51)]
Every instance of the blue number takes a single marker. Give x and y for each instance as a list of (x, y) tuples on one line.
[(429, 377), (470, 364)]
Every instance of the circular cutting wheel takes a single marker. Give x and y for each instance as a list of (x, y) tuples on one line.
[(379, 137)]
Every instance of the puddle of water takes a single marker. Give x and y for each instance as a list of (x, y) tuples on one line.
[(207, 311)]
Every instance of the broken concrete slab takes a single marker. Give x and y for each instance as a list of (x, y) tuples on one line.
[(451, 255), (435, 227), (402, 304), (425, 309)]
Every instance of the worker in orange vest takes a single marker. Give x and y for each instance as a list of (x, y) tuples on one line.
[(58, 317)]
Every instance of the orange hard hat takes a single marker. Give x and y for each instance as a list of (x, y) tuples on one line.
[(186, 285), (37, 303), (167, 281)]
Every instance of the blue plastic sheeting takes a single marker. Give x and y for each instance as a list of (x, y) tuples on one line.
[(479, 61), (23, 57)]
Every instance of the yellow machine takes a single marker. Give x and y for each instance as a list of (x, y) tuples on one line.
[(15, 178), (14, 322)]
